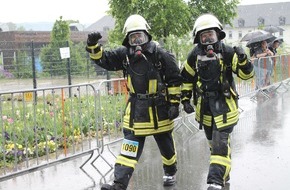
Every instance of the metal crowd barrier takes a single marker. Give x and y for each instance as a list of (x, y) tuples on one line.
[(112, 96), (43, 127), (270, 74), (47, 126)]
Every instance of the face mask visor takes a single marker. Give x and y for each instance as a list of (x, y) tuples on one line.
[(208, 37), (138, 38)]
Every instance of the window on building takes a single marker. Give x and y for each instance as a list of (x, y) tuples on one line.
[(261, 21), (241, 22), (230, 34), (282, 20), (240, 34)]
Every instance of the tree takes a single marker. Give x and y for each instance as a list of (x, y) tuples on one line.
[(165, 17), (22, 65), (11, 26), (50, 55), (60, 32), (21, 28), (224, 10)]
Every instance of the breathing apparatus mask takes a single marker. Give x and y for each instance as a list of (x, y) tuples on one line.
[(136, 40), (207, 39)]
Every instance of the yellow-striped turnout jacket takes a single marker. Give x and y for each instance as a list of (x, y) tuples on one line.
[(214, 105)]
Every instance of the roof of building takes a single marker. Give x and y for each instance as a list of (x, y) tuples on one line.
[(76, 27), (104, 24), (270, 12)]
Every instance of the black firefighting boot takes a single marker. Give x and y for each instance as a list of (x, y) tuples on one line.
[(169, 180), (114, 186)]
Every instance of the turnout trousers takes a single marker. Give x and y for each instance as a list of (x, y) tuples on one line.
[(220, 158), (132, 148)]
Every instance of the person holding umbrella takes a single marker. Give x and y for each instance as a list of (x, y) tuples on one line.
[(263, 50), (257, 42), (255, 38), (263, 74), (258, 38), (275, 44)]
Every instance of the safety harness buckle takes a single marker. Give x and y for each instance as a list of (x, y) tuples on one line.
[(142, 96)]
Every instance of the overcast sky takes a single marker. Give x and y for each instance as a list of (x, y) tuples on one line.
[(86, 11)]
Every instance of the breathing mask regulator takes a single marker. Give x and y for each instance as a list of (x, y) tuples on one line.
[(209, 51)]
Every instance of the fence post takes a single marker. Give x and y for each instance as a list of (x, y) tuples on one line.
[(108, 78), (68, 71), (33, 71), (88, 66)]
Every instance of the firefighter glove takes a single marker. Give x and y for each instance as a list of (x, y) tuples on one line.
[(173, 111), (187, 107), (93, 38), (242, 56), (95, 50)]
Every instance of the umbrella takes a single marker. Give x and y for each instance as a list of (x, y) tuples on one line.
[(279, 39), (259, 38), (273, 29), (253, 34)]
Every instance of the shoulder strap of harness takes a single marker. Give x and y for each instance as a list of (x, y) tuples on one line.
[(194, 89), (227, 59), (157, 63)]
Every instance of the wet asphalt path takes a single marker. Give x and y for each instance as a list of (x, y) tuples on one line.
[(260, 157)]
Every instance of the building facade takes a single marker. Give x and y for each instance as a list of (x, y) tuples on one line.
[(259, 16)]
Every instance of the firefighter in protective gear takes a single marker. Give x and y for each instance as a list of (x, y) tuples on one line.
[(208, 78), (154, 81)]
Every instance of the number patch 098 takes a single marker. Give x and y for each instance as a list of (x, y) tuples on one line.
[(129, 148)]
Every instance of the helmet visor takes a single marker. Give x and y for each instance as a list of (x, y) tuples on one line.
[(208, 37), (138, 38)]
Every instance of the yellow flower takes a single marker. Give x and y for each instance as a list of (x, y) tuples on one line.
[(19, 146)]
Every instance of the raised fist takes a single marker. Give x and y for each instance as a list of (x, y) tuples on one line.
[(242, 56), (93, 38)]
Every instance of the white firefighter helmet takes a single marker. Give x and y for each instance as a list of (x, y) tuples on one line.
[(135, 22), (204, 22)]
